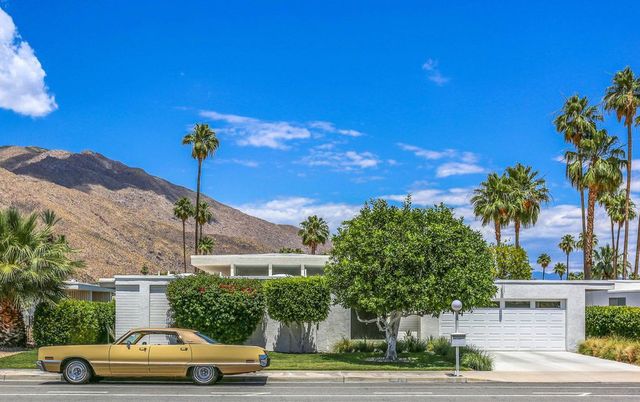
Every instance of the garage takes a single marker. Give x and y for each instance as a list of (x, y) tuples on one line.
[(513, 325)]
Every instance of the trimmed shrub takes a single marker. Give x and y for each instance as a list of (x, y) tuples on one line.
[(412, 344), (619, 349), (470, 356), (298, 299), (439, 346), (226, 309), (615, 321), (73, 322)]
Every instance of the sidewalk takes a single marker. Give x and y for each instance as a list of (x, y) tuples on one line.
[(384, 376)]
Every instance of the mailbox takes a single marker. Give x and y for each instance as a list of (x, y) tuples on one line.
[(458, 339)]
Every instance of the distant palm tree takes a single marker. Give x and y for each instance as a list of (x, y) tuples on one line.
[(183, 210), (526, 192), (603, 266), (491, 203), (205, 215), (544, 260), (580, 241), (623, 98), (314, 231), (577, 121), (602, 160), (567, 245), (32, 269), (560, 269), (206, 245), (204, 143), (614, 204)]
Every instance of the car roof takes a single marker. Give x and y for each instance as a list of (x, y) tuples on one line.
[(162, 329)]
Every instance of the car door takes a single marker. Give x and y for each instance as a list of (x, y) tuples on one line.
[(129, 357), (168, 355)]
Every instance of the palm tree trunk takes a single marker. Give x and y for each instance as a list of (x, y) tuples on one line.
[(517, 229), (543, 269), (184, 244), (198, 202), (588, 240), (584, 225), (618, 251), (567, 266), (635, 269), (12, 330), (498, 234), (313, 248), (615, 251), (626, 201)]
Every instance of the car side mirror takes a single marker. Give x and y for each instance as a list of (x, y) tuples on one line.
[(128, 344)]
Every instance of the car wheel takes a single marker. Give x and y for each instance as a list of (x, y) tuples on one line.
[(77, 371), (205, 375)]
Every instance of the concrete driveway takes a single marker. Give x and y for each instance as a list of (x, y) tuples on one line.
[(556, 361)]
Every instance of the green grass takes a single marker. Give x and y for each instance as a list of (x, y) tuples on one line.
[(22, 360), (291, 361)]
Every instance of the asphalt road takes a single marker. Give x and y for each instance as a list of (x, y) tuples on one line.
[(138, 391)]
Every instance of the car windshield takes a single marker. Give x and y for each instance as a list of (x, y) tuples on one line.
[(206, 338)]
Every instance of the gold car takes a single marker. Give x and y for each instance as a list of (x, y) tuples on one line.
[(153, 352)]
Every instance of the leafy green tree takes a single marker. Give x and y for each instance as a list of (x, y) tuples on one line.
[(527, 192), (392, 262), (567, 245), (313, 232), (577, 120), (560, 269), (183, 210), (302, 301), (32, 269), (204, 143), (544, 260), (206, 245), (623, 98), (491, 203), (511, 262), (602, 160)]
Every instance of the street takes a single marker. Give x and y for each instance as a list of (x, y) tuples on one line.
[(183, 391)]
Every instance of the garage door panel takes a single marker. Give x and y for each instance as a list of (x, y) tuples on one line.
[(526, 329)]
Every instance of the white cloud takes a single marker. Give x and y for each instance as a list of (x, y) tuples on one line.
[(559, 158), (341, 161), (458, 168), (434, 74), (22, 87), (427, 153), (452, 197), (241, 162), (331, 128), (293, 210)]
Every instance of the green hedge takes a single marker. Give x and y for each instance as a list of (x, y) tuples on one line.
[(227, 309), (620, 321), (298, 299), (73, 322)]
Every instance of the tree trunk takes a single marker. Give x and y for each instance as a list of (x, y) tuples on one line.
[(517, 230), (391, 335), (615, 251), (587, 247), (543, 269), (498, 234), (584, 225), (626, 201), (624, 271), (12, 329), (635, 269), (313, 248), (198, 203), (567, 267), (184, 244)]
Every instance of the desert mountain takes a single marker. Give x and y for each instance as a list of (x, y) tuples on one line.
[(121, 218)]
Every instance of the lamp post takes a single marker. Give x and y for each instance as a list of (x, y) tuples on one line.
[(456, 306)]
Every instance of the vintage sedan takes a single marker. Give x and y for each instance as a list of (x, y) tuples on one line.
[(153, 352)]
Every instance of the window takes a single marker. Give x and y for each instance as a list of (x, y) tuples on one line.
[(206, 338), (494, 304), (132, 338), (549, 304), (314, 271), (157, 289), (127, 288), (160, 338), (252, 270), (617, 301), (517, 304), (293, 270)]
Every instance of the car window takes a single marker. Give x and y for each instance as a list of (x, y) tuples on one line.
[(160, 338), (131, 338)]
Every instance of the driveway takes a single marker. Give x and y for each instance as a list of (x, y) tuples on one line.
[(556, 361)]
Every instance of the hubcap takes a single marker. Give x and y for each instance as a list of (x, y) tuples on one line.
[(203, 373), (76, 371)]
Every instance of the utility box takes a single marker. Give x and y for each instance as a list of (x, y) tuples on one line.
[(458, 339)]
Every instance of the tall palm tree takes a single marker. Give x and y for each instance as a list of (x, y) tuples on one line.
[(602, 160), (206, 245), (560, 269), (603, 263), (314, 231), (32, 269), (623, 98), (526, 192), (581, 241), (205, 215), (567, 245), (491, 203), (183, 210), (544, 260), (577, 121), (614, 204), (204, 143)]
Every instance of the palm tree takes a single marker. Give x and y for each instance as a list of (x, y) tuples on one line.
[(32, 269), (604, 262), (491, 203), (183, 210), (580, 242), (614, 204), (314, 231), (204, 143), (206, 245), (623, 98), (526, 193), (602, 160), (567, 245), (544, 260), (204, 216), (560, 269), (577, 121)]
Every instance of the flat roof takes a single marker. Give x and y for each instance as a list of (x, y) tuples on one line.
[(259, 259)]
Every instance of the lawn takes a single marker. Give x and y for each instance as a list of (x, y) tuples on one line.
[(290, 361)]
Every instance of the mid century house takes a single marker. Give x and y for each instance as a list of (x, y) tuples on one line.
[(88, 291), (527, 314)]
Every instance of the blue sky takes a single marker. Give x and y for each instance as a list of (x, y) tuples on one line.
[(319, 106)]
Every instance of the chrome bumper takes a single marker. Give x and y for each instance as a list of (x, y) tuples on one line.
[(40, 365)]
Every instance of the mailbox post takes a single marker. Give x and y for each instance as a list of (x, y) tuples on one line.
[(457, 339)]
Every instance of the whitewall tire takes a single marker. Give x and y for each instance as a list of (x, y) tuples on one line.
[(77, 371), (205, 375)]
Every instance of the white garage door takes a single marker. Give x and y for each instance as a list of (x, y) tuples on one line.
[(510, 329)]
